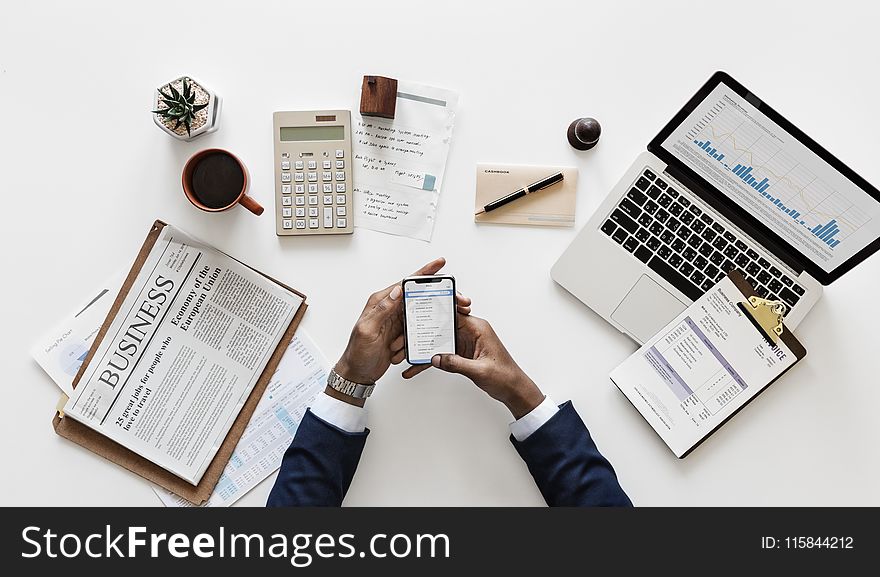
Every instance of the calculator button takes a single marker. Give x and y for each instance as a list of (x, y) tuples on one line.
[(300, 188), (313, 165), (300, 201), (340, 164), (285, 177), (313, 188), (340, 175), (286, 212), (285, 165), (328, 164), (313, 177), (340, 223), (328, 187), (286, 201), (285, 189), (340, 154), (340, 199), (328, 199), (313, 199), (300, 223), (327, 175), (313, 223), (287, 223), (300, 177), (300, 211), (340, 211), (298, 165), (313, 211), (340, 187), (328, 217)]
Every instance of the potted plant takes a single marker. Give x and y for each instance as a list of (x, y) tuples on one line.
[(186, 109)]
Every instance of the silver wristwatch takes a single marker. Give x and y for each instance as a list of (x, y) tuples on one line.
[(350, 388)]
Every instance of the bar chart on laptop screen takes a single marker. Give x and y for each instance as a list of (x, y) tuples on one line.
[(753, 158)]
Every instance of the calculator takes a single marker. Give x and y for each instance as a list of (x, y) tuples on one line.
[(312, 172)]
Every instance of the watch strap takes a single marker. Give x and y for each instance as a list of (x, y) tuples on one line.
[(350, 388)]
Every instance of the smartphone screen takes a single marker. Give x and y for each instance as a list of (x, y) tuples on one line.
[(429, 304)]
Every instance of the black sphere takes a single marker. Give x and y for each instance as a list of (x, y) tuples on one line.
[(584, 133)]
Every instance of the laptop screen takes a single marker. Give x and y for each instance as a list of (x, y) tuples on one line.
[(776, 178)]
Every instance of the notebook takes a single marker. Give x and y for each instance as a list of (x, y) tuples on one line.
[(553, 206)]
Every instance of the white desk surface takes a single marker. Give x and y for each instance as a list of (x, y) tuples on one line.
[(85, 172)]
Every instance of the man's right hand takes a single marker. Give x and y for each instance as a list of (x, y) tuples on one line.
[(483, 359)]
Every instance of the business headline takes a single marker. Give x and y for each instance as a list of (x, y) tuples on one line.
[(144, 321)]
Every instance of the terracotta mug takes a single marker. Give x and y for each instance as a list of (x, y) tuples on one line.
[(215, 180)]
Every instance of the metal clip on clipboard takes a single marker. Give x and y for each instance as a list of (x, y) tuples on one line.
[(766, 315)]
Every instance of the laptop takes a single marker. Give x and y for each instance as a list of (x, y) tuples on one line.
[(728, 183)]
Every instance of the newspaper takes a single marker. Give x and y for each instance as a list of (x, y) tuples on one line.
[(299, 378), (182, 354)]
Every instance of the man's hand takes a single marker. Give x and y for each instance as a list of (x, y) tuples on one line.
[(483, 359), (376, 340)]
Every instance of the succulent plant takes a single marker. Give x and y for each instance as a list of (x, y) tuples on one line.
[(179, 106)]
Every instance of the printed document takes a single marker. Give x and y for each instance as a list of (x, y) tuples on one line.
[(399, 163), (62, 350), (695, 373), (182, 355), (300, 376)]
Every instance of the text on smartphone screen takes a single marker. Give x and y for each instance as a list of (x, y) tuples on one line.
[(430, 319)]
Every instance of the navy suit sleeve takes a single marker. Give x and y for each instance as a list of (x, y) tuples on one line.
[(567, 466), (319, 465)]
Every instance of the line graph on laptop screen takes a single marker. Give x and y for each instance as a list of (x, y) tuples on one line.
[(784, 184)]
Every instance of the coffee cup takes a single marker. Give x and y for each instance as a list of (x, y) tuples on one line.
[(215, 180)]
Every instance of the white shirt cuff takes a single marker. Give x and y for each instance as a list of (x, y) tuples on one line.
[(522, 428), (349, 418)]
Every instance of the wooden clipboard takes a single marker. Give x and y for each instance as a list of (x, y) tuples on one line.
[(113, 451)]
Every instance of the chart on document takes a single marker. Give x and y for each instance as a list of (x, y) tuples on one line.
[(777, 178)]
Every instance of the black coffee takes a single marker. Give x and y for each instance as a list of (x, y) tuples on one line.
[(217, 180)]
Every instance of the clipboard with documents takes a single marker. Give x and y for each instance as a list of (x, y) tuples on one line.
[(708, 363), (202, 307)]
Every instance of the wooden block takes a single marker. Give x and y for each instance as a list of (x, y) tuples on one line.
[(379, 96)]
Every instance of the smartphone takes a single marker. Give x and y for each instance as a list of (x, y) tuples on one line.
[(428, 317)]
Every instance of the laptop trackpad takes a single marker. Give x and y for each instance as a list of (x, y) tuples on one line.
[(646, 309)]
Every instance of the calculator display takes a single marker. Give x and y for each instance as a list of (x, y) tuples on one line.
[(311, 133)]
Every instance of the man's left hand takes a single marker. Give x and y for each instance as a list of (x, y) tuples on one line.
[(377, 339)]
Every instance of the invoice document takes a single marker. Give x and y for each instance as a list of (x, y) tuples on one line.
[(702, 368)]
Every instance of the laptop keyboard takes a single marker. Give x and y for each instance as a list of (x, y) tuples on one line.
[(667, 231)]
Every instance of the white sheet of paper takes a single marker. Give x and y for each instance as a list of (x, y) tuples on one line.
[(62, 350), (300, 376), (399, 164)]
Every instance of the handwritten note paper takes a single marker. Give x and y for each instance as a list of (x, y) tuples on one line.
[(399, 164)]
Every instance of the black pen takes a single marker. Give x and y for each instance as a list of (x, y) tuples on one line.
[(534, 187)]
